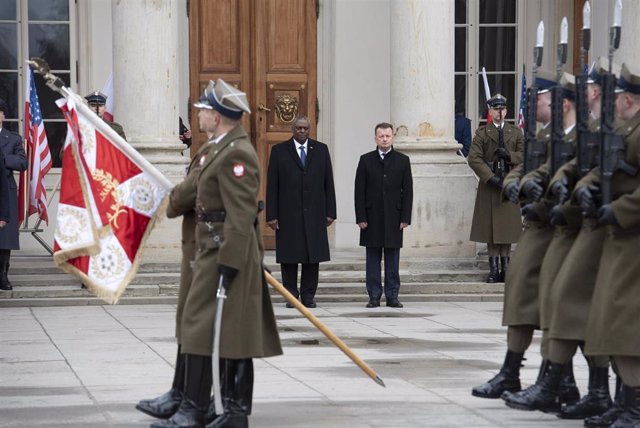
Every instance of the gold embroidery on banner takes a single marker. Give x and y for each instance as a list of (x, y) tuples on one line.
[(109, 263), (88, 135), (69, 230), (110, 188), (286, 108)]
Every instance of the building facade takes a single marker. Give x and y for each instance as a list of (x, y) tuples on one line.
[(349, 64)]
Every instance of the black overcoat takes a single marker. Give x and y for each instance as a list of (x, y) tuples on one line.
[(301, 199), (14, 160), (383, 198)]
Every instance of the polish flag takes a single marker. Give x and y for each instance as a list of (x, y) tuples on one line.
[(107, 89)]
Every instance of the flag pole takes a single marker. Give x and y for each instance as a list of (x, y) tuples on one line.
[(323, 328), (58, 85)]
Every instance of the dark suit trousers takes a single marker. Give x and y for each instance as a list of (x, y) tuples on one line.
[(391, 273), (308, 280)]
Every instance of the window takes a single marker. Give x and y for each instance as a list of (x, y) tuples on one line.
[(486, 35), (42, 28)]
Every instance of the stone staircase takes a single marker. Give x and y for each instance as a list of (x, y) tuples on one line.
[(38, 282)]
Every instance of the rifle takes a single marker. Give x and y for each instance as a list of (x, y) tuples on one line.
[(588, 142), (561, 151), (534, 150), (613, 147)]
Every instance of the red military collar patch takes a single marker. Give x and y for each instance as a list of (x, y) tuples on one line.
[(238, 169)]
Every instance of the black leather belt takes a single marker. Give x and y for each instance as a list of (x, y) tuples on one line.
[(211, 216)]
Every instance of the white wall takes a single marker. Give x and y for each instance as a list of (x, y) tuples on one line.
[(361, 82)]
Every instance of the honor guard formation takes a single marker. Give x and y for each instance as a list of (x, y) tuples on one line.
[(574, 271)]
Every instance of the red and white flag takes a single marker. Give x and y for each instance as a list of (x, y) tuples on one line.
[(38, 155), (110, 198), (107, 89)]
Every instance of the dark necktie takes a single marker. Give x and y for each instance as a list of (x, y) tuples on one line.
[(303, 156)]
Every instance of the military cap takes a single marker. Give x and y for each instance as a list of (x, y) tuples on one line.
[(225, 99), (599, 68), (545, 80), (96, 97), (568, 85), (629, 81), (497, 101), (3, 106)]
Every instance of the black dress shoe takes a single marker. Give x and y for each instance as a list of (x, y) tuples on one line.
[(311, 304), (373, 304), (162, 407), (394, 303), (289, 305)]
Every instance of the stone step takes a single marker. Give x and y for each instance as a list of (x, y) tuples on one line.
[(171, 300), (333, 290)]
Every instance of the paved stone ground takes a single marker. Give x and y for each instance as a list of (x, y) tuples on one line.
[(87, 366)]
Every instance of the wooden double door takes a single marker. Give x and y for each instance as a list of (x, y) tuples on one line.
[(267, 48)]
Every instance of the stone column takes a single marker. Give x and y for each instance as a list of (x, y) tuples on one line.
[(145, 83), (422, 109)]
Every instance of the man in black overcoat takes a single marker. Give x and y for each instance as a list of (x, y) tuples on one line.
[(383, 201), (14, 160), (301, 204)]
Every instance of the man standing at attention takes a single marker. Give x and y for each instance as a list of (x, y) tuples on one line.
[(496, 147), (383, 201), (301, 204)]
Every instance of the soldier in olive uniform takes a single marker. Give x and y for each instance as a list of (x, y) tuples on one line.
[(556, 384), (181, 203), (229, 252), (613, 323), (97, 102), (520, 310), (569, 298), (496, 147)]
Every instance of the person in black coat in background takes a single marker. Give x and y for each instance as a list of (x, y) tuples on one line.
[(383, 202), (15, 159), (4, 196), (301, 204)]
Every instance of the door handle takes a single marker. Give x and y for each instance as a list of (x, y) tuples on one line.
[(263, 107)]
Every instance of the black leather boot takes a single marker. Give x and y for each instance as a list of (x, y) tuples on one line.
[(4, 280), (507, 379), (164, 406), (596, 402), (504, 264), (494, 276), (227, 380), (541, 396), (197, 388), (610, 416), (568, 390), (238, 405), (630, 417)]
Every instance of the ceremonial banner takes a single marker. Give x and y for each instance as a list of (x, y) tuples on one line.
[(523, 100), (109, 202), (32, 190)]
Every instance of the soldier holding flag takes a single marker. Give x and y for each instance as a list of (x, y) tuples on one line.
[(228, 257)]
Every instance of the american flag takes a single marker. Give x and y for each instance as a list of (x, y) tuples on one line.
[(523, 101), (37, 153)]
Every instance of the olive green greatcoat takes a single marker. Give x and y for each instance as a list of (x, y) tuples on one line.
[(613, 325), (570, 295), (494, 220), (520, 305), (182, 201), (229, 181), (563, 238)]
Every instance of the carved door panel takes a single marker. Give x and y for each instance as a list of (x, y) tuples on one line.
[(285, 53), (267, 48)]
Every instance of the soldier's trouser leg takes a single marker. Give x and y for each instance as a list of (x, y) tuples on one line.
[(195, 402), (167, 404), (629, 368), (597, 400), (505, 253), (290, 278), (5, 256), (508, 378)]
